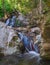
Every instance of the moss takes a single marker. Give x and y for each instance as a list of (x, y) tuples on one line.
[(46, 33)]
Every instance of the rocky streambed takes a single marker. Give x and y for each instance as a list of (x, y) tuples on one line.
[(18, 59)]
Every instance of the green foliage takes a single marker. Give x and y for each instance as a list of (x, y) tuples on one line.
[(24, 6), (47, 2), (1, 13), (7, 7)]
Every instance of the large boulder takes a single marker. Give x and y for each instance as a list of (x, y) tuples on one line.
[(45, 45), (8, 40)]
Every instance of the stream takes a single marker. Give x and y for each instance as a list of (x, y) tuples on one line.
[(30, 58)]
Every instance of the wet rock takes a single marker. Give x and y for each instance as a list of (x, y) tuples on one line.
[(35, 29), (6, 36), (21, 59)]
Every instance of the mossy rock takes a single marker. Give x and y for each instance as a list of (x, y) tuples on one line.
[(45, 46), (45, 51), (46, 33)]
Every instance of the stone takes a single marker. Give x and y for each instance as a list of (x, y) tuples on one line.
[(45, 45), (7, 37)]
